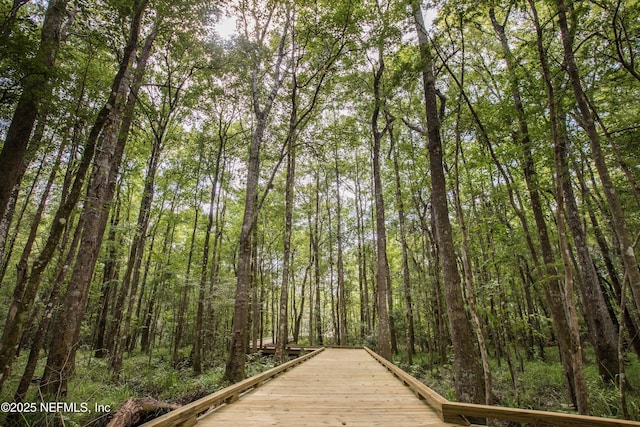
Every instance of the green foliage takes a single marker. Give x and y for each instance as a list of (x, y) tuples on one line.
[(540, 385), (143, 375), (200, 90)]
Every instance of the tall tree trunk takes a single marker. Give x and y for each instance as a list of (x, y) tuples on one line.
[(127, 339), (587, 121), (602, 331), (258, 296), (202, 286), (467, 271), (36, 90), (342, 304), (384, 333), (213, 318), (406, 278), (553, 292), (332, 293), (572, 317), (363, 283), (206, 255), (316, 264), (601, 328), (311, 273), (109, 282), (186, 287), (61, 359), (234, 370), (145, 329), (131, 277), (469, 384), (283, 313), (614, 279), (299, 312)]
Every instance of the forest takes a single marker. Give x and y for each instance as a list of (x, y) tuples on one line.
[(453, 184)]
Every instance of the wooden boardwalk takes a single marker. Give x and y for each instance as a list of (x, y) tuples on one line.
[(338, 387), (348, 387)]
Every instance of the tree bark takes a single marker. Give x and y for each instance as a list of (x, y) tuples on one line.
[(601, 328), (572, 318), (234, 370), (469, 383), (61, 359), (467, 271), (602, 331), (316, 265), (283, 314), (109, 282), (206, 255), (363, 271), (553, 292), (186, 287), (406, 277), (134, 409), (132, 273), (384, 332), (342, 303), (587, 121), (36, 90)]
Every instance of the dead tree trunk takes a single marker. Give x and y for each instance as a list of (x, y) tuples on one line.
[(133, 410)]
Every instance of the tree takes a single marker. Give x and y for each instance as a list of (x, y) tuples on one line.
[(382, 265), (36, 88), (603, 335), (234, 370), (61, 359), (468, 381), (587, 121)]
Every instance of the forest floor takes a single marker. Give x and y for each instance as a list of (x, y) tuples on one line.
[(538, 385), (95, 396)]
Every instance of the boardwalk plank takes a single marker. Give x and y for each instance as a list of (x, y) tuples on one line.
[(339, 387)]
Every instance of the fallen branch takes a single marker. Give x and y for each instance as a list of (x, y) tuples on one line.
[(133, 410)]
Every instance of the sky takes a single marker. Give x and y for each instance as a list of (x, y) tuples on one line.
[(226, 27)]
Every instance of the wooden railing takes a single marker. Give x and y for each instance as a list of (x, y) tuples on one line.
[(186, 416), (456, 413)]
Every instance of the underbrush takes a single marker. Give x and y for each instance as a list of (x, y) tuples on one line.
[(95, 395), (538, 385)]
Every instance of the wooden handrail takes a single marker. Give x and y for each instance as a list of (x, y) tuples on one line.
[(187, 414), (432, 398), (455, 412)]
